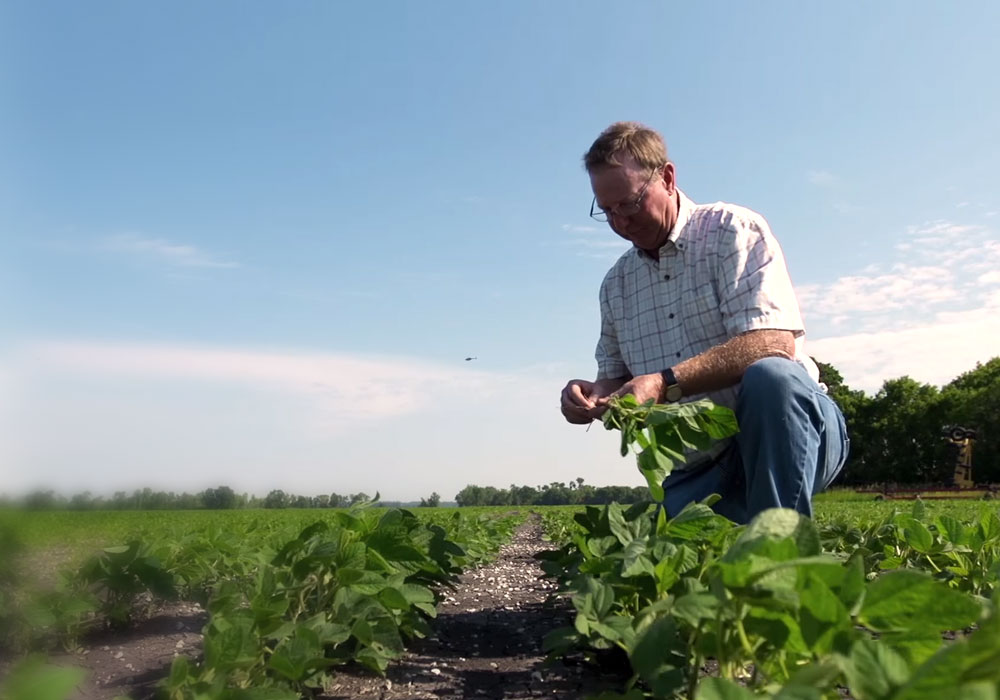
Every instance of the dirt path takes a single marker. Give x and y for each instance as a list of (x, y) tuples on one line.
[(486, 644), (488, 639)]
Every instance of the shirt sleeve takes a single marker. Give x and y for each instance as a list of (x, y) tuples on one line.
[(610, 364), (755, 290)]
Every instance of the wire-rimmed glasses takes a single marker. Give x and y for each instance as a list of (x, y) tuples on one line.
[(626, 208)]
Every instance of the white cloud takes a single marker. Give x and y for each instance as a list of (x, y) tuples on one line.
[(160, 249), (934, 352), (931, 313), (581, 229)]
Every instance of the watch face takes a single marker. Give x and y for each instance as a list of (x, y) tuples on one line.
[(674, 393)]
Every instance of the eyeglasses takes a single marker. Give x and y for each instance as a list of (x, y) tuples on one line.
[(626, 209)]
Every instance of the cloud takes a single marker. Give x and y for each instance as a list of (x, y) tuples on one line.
[(344, 389), (580, 229), (931, 313), (164, 251), (935, 352)]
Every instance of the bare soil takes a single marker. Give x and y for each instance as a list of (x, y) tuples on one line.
[(486, 644)]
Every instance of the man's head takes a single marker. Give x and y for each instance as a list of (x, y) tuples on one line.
[(634, 184)]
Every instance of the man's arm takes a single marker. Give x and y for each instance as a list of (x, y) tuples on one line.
[(723, 365), (718, 367)]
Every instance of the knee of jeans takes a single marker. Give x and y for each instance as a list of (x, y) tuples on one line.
[(768, 376)]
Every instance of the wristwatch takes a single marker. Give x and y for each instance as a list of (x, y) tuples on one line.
[(672, 392)]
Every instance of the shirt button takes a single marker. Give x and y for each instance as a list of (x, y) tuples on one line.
[(666, 277), (670, 316), (678, 354)]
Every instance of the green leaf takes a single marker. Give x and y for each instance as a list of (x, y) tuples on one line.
[(695, 608), (914, 646), (951, 529), (232, 643), (918, 537), (619, 527), (874, 671), (911, 600), (722, 689), (694, 521), (635, 562), (560, 640), (34, 679), (656, 659), (821, 615), (297, 658), (394, 599), (264, 694), (778, 534)]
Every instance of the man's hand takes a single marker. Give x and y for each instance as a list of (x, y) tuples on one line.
[(644, 387), (580, 401)]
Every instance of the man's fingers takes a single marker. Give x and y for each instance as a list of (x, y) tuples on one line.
[(574, 396)]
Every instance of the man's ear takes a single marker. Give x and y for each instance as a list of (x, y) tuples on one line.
[(669, 177)]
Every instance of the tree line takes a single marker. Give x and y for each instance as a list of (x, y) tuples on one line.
[(552, 494), (898, 434), (220, 498)]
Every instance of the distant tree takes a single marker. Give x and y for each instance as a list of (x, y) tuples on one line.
[(360, 497), (221, 498), (432, 501), (83, 501), (276, 499), (471, 495), (972, 400), (900, 432), (41, 500)]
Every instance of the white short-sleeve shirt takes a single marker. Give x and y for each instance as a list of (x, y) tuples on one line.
[(720, 273)]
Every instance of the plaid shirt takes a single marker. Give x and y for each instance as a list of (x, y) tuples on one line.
[(720, 273)]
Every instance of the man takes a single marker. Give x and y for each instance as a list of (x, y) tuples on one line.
[(702, 305)]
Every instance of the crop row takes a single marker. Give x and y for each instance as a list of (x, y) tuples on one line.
[(285, 607), (779, 616)]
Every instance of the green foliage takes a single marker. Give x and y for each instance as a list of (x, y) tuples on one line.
[(555, 493), (896, 434), (666, 433), (780, 617), (34, 679)]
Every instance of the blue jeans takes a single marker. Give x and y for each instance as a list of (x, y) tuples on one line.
[(792, 444)]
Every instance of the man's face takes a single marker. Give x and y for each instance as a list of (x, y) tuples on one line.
[(615, 188)]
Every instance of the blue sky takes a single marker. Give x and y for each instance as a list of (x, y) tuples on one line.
[(252, 243)]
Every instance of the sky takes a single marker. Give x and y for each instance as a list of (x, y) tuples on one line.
[(254, 243)]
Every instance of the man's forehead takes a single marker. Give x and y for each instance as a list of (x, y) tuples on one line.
[(617, 177)]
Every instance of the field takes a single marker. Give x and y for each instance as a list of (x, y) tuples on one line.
[(442, 602)]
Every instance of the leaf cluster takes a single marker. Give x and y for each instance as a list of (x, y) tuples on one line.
[(780, 617), (664, 434)]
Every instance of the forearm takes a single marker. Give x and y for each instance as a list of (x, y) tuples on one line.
[(723, 365)]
